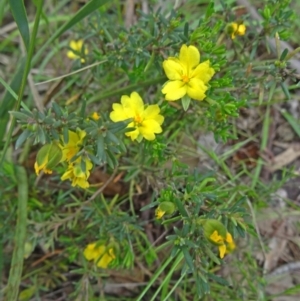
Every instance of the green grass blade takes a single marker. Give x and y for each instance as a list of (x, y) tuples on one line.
[(165, 282), (8, 100), (90, 7), (2, 10), (154, 278), (24, 77), (9, 89), (16, 268), (19, 13), (292, 121)]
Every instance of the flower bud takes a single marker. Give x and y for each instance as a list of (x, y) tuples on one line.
[(235, 29), (213, 226), (164, 208), (47, 158)]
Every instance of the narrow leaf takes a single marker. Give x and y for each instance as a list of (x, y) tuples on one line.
[(19, 13), (9, 89), (8, 100), (22, 138), (16, 267), (292, 121)]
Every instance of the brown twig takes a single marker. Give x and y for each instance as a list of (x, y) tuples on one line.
[(100, 190), (55, 252)]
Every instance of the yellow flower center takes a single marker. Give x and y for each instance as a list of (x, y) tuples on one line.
[(185, 78), (138, 119)]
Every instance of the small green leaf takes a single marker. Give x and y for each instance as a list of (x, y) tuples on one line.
[(188, 258), (22, 138), (283, 54), (210, 10), (27, 293), (218, 279), (185, 100), (285, 90), (57, 109), (66, 135), (100, 147), (180, 207), (212, 256), (292, 291), (20, 116), (110, 136)]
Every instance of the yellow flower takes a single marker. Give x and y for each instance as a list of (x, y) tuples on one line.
[(75, 173), (95, 116), (101, 255), (236, 29), (71, 148), (76, 47), (159, 213), (186, 75), (164, 207), (47, 158), (225, 245), (147, 122)]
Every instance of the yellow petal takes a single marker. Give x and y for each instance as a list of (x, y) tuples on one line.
[(189, 56), (241, 29), (222, 250), (67, 175), (104, 261), (159, 119), (136, 103), (78, 172), (159, 213), (88, 164), (72, 55), (203, 71), (76, 45), (196, 89), (149, 128), (229, 238), (216, 237), (81, 182), (133, 134), (80, 136), (174, 90), (90, 252), (152, 112), (104, 257), (36, 168), (118, 113), (132, 105), (173, 68), (47, 171), (73, 138)]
